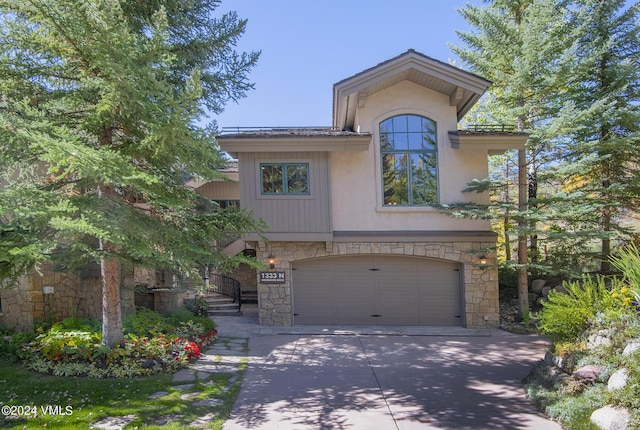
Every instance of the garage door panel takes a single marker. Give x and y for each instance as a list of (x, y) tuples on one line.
[(313, 299), (376, 289), (354, 303), (439, 295), (397, 291)]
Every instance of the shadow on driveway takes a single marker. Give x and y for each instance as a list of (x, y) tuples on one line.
[(388, 382)]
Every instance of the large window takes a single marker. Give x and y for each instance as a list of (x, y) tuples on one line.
[(285, 178), (408, 145)]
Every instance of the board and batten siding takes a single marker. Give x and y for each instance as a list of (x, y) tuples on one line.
[(220, 190), (288, 214)]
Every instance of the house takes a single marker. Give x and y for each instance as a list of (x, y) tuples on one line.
[(354, 236)]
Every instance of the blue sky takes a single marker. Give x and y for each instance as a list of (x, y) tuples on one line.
[(307, 46)]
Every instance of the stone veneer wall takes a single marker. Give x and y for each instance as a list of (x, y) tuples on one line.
[(247, 276), (480, 293), (17, 306), (74, 294)]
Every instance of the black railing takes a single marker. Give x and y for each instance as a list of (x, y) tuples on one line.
[(237, 130), (226, 286), (500, 128)]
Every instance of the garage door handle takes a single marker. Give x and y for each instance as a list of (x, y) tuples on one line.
[(374, 270), (375, 316)]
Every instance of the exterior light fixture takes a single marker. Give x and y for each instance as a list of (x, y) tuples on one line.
[(271, 260), (482, 259)]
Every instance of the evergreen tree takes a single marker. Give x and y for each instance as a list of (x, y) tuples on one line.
[(580, 62), (99, 129), (515, 46), (601, 110)]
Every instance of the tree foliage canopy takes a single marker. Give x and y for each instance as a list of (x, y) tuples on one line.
[(100, 103), (568, 73)]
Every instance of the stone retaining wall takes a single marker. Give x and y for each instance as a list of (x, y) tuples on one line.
[(480, 289), (55, 295)]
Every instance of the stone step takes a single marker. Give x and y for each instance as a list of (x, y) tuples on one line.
[(223, 306), (219, 300), (249, 297), (236, 313)]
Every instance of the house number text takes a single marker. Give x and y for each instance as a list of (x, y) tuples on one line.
[(272, 277)]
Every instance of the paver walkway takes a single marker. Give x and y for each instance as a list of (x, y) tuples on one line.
[(223, 356)]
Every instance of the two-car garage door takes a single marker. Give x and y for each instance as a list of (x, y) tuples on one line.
[(376, 290)]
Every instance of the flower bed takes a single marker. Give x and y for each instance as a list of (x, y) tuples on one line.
[(171, 345)]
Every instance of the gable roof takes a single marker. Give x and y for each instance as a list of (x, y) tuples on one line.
[(463, 88)]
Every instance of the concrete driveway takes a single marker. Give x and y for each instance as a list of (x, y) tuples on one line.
[(364, 381)]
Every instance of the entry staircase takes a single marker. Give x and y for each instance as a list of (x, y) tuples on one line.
[(223, 295)]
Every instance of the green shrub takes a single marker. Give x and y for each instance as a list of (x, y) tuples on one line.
[(565, 315), (197, 306), (75, 323), (11, 345), (146, 322), (574, 412), (508, 281)]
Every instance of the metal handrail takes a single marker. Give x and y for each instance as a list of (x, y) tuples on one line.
[(229, 130), (226, 286), (503, 128)]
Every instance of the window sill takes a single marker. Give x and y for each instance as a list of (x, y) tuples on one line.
[(405, 209)]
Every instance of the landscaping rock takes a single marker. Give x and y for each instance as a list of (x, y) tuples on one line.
[(554, 360), (557, 375), (618, 380), (587, 374), (545, 291), (167, 419), (610, 418), (113, 423), (209, 402), (560, 289), (602, 338), (537, 285), (203, 422), (631, 348), (189, 396)]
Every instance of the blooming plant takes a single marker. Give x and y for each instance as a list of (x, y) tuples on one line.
[(626, 298), (81, 353)]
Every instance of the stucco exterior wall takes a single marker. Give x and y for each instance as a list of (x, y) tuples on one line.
[(356, 184), (480, 283)]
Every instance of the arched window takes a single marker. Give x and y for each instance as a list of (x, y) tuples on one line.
[(408, 145)]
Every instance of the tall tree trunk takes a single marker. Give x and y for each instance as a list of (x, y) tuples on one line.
[(506, 221), (112, 330), (523, 281), (533, 195), (605, 135), (605, 265)]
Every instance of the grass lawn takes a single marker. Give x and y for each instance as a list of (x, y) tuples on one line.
[(73, 403)]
